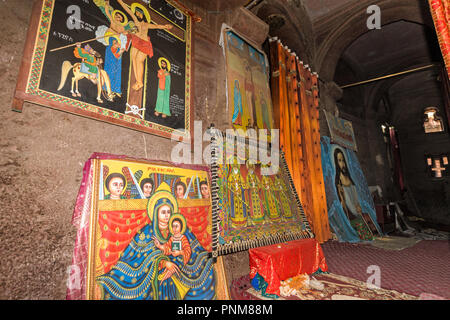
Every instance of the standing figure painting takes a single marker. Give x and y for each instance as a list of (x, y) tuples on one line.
[(348, 196), (141, 46), (113, 65), (236, 196), (270, 202), (255, 196), (163, 96), (237, 105)]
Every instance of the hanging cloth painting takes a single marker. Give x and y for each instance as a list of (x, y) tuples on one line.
[(144, 232), (249, 102), (256, 203), (351, 210)]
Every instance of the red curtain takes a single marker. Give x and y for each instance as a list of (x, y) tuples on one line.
[(440, 11)]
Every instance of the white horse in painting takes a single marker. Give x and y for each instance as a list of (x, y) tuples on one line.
[(101, 79)]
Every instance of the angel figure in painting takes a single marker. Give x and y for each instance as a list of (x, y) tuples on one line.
[(163, 95), (145, 272), (141, 46), (147, 187)]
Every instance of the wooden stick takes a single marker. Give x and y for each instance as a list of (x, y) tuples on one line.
[(90, 40)]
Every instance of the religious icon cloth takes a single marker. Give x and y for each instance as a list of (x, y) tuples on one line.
[(144, 231), (351, 210), (256, 205)]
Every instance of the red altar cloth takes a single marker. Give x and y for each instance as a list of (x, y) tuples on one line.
[(282, 261)]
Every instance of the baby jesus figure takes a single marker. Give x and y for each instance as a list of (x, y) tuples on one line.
[(178, 244)]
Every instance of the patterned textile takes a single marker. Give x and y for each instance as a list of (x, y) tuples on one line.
[(345, 228), (440, 11), (255, 209)]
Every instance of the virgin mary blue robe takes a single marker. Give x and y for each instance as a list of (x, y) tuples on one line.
[(113, 67), (135, 275)]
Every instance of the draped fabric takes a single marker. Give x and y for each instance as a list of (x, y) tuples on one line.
[(339, 222), (296, 113), (279, 262), (440, 11)]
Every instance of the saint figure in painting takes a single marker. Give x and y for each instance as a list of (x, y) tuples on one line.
[(141, 46), (270, 201), (237, 110), (254, 188), (113, 65), (116, 38), (146, 272), (236, 197), (178, 244), (264, 111), (163, 95), (250, 95), (283, 198), (348, 196), (90, 60), (115, 184)]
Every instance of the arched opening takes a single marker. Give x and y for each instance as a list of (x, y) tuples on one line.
[(398, 102)]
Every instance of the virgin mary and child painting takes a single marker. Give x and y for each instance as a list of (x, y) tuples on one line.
[(151, 245)]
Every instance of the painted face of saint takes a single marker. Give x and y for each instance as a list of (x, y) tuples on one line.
[(116, 187), (163, 65), (341, 162), (118, 17), (147, 189), (115, 44), (204, 191), (139, 15), (176, 228), (164, 214), (180, 192)]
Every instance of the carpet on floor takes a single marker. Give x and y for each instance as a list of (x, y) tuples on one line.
[(422, 269), (334, 287)]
